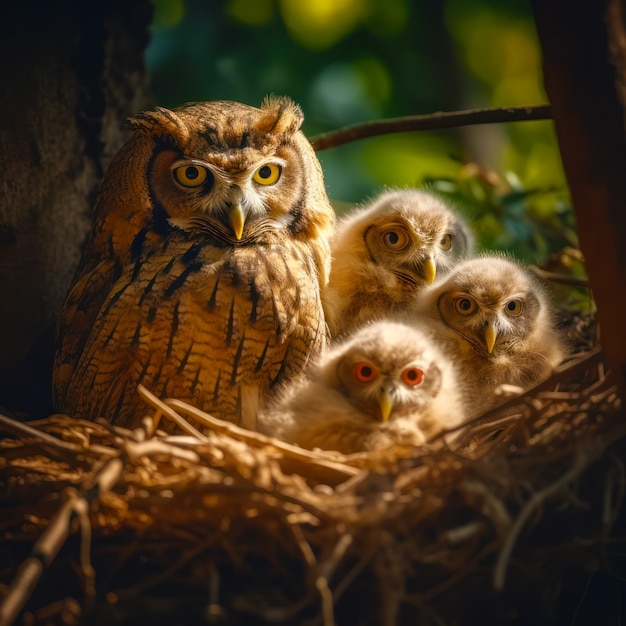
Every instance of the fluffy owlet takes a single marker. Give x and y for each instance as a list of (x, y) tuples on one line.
[(495, 321), (201, 277), (387, 251), (386, 383)]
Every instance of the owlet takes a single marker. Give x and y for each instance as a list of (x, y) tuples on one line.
[(385, 384), (388, 250), (496, 322)]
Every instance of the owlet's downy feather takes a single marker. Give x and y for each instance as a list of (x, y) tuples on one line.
[(495, 321), (388, 250), (201, 277), (386, 384)]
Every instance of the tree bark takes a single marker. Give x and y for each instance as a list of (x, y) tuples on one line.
[(70, 72), (584, 82)]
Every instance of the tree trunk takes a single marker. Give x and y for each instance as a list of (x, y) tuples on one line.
[(584, 83), (71, 72)]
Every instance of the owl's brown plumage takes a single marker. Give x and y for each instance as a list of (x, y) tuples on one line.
[(386, 251), (385, 384), (496, 322), (201, 277)]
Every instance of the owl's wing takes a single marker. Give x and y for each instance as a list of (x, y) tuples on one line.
[(75, 322)]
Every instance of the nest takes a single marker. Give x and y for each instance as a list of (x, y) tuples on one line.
[(518, 522)]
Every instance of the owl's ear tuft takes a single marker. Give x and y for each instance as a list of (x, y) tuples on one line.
[(161, 121), (282, 115)]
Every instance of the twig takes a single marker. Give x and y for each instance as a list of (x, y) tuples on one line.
[(328, 614), (538, 498), (458, 575), (254, 438), (434, 121), (43, 553), (328, 566), (564, 279), (167, 411), (54, 536), (155, 446), (26, 431), (355, 570), (186, 557), (563, 372), (214, 611)]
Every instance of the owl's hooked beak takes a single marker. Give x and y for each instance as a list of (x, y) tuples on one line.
[(429, 271), (237, 220), (385, 402), (490, 337)]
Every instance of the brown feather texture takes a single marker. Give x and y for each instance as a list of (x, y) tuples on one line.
[(388, 250), (496, 322), (201, 278), (385, 384)]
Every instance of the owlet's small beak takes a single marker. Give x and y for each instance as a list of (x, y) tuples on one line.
[(386, 405), (490, 337), (429, 271), (237, 220)]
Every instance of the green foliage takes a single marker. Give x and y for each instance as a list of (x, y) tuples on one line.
[(529, 223)]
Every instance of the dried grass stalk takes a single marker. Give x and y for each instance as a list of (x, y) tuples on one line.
[(256, 526)]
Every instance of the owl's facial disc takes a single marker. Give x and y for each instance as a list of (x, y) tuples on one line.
[(396, 247), (487, 332), (396, 393), (478, 325), (378, 394), (236, 215), (246, 201), (233, 196)]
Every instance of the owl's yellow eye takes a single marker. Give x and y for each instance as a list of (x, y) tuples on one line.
[(464, 305), (412, 376), (191, 175), (514, 308), (395, 239), (446, 242), (364, 372), (267, 174)]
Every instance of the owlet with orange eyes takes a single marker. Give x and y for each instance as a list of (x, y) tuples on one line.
[(496, 322), (388, 250), (386, 384), (201, 278)]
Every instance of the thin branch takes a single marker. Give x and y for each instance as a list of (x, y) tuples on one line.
[(26, 431), (330, 461), (564, 279), (31, 569), (562, 372), (435, 121), (53, 538), (580, 462)]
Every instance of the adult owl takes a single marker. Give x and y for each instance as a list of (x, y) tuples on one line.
[(496, 322), (386, 251), (201, 277), (385, 384)]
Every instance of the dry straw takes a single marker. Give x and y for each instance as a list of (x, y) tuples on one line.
[(218, 524)]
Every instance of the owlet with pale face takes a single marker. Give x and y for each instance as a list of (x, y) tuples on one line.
[(389, 250)]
